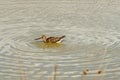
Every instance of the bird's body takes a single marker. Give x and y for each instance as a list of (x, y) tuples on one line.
[(51, 39)]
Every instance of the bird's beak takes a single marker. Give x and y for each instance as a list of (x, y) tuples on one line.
[(38, 38)]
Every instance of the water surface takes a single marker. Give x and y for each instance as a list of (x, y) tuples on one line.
[(92, 40)]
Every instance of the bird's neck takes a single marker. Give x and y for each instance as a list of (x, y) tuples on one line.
[(44, 38)]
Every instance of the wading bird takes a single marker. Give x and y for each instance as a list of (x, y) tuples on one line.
[(51, 39)]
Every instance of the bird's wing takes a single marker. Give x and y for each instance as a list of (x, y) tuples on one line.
[(53, 39)]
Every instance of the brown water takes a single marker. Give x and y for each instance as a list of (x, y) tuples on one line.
[(92, 39)]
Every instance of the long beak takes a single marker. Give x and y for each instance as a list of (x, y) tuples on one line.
[(38, 38)]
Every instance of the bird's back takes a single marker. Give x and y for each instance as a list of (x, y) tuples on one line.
[(54, 39)]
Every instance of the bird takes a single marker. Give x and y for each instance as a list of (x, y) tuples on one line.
[(51, 39)]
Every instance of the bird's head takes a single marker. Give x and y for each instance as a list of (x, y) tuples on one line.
[(41, 37)]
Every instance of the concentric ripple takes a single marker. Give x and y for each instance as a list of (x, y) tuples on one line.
[(92, 41)]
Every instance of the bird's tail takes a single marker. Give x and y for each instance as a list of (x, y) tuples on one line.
[(62, 37)]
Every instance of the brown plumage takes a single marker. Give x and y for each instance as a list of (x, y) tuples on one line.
[(51, 39)]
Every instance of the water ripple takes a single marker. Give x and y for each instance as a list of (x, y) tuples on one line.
[(83, 47)]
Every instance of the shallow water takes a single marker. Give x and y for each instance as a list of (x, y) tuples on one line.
[(92, 40)]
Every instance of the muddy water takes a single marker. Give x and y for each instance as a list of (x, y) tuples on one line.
[(92, 40)]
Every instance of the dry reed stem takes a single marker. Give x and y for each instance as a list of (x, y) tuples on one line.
[(85, 72), (55, 70), (100, 71), (40, 76), (81, 78), (49, 78), (21, 72), (105, 52), (102, 77), (103, 59)]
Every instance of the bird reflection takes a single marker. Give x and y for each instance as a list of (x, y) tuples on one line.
[(48, 45)]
